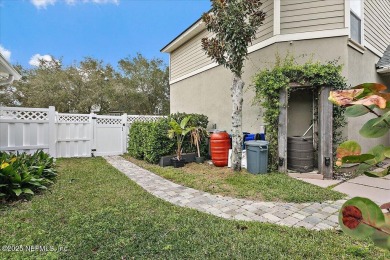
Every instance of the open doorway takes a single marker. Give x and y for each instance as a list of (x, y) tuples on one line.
[(301, 137)]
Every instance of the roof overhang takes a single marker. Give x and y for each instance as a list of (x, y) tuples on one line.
[(385, 70), (7, 69), (383, 65), (190, 32)]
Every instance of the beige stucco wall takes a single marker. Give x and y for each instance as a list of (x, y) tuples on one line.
[(361, 69), (209, 92)]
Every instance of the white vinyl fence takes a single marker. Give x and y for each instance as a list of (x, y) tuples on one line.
[(65, 135)]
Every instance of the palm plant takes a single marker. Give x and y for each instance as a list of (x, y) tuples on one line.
[(179, 131), (196, 137)]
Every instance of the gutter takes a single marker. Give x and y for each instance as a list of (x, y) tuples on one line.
[(383, 70), (190, 32), (9, 68)]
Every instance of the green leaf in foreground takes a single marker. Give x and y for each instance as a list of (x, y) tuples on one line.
[(362, 218), (377, 174), (378, 152), (374, 128), (357, 158), (357, 110), (348, 148)]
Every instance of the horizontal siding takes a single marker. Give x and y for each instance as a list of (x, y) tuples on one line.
[(267, 28), (377, 23), (189, 57), (308, 15)]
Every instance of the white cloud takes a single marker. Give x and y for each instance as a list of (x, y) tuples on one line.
[(103, 1), (42, 3), (70, 2), (6, 53), (35, 60)]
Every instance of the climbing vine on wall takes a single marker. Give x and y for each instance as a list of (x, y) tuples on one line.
[(269, 82)]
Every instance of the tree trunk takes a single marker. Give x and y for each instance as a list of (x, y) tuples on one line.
[(237, 89)]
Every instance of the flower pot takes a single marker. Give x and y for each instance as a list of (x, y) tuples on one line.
[(178, 163), (199, 159)]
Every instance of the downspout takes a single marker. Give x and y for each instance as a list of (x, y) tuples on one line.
[(7, 81)]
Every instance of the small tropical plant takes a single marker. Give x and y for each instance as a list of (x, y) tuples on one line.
[(196, 137), (361, 217), (24, 174), (179, 131)]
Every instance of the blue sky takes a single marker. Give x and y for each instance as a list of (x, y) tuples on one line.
[(104, 29)]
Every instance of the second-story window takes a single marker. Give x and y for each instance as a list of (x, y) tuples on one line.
[(356, 20)]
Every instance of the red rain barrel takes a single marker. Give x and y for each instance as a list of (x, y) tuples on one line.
[(219, 146)]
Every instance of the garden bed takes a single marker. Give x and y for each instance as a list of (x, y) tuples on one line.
[(95, 212), (222, 181)]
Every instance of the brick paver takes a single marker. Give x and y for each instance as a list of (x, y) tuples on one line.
[(317, 216)]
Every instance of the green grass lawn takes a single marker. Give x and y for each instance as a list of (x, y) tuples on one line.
[(95, 212), (222, 181)]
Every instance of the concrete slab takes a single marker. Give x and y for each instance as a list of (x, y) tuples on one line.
[(321, 183), (375, 194), (372, 182)]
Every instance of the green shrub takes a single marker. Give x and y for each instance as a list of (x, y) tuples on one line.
[(137, 137), (23, 174), (195, 120), (149, 141), (157, 143)]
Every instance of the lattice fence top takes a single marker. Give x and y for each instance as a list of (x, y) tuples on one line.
[(73, 118), (134, 118), (108, 121), (24, 115)]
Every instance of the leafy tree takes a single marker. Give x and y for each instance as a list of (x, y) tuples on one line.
[(91, 85), (146, 83), (43, 86), (234, 23), (141, 87)]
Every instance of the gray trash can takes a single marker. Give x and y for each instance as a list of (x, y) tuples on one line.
[(257, 156)]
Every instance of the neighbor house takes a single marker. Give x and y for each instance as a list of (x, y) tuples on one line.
[(354, 32), (7, 73)]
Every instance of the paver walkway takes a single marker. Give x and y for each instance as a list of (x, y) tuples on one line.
[(317, 216)]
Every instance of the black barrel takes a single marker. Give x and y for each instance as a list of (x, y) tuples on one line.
[(300, 153)]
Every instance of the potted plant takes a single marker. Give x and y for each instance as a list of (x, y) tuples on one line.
[(179, 131), (196, 138)]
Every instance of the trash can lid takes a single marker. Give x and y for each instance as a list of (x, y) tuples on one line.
[(256, 143)]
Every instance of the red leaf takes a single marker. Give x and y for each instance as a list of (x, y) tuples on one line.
[(344, 97), (352, 216), (384, 95), (372, 87), (372, 100), (385, 206)]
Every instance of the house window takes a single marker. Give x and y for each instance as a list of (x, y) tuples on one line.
[(356, 20)]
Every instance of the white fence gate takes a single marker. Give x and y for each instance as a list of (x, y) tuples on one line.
[(65, 135), (110, 135)]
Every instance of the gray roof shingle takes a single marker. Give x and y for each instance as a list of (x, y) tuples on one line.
[(384, 62)]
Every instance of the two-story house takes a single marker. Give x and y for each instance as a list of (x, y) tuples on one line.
[(354, 32)]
